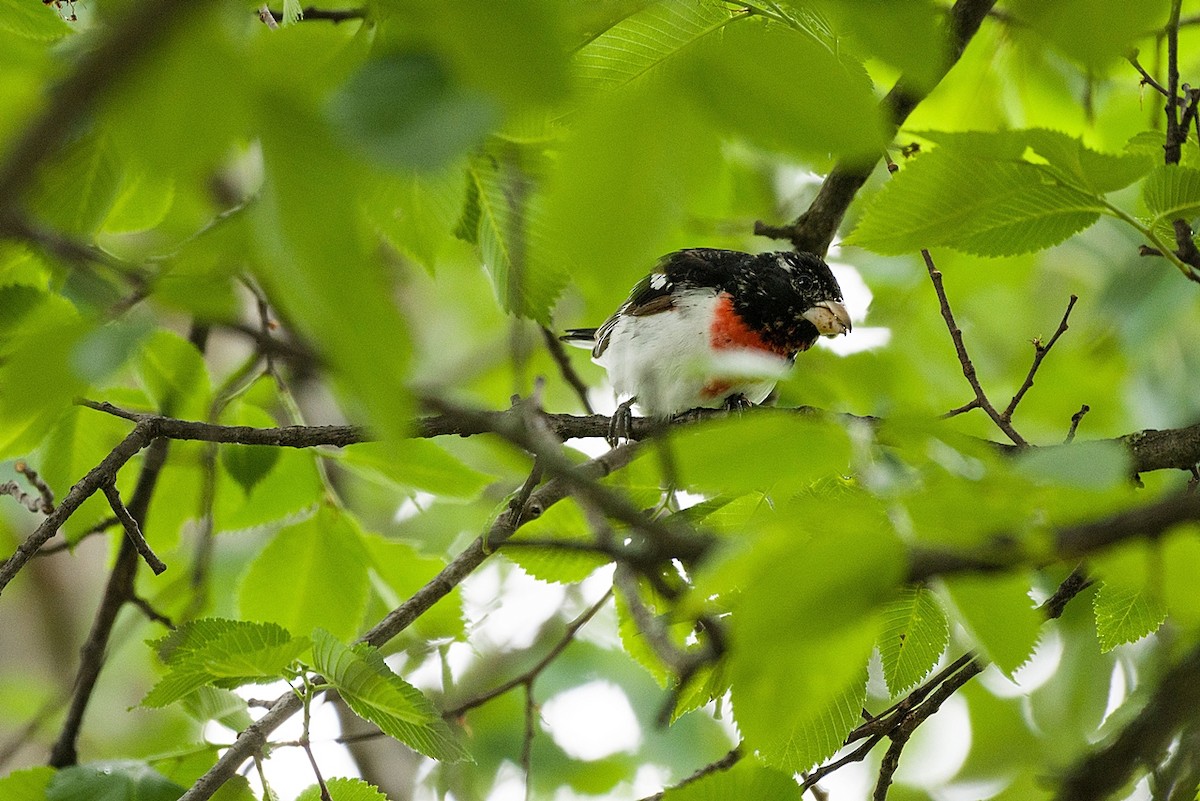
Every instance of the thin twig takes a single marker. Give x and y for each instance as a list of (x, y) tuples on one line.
[(1039, 353), (964, 359), (724, 763), (559, 353), (1076, 419), (1147, 78), (132, 530), (39, 484)]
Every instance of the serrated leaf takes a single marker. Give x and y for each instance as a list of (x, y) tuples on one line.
[(215, 703), (1126, 614), (344, 790), (513, 242), (645, 40), (915, 634), (986, 207), (312, 574), (377, 694), (816, 736), (745, 780), (39, 21), (1171, 192), (226, 653), (999, 613)]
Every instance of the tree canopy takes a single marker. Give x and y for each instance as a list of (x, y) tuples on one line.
[(297, 465)]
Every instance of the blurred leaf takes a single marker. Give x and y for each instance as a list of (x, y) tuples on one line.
[(999, 614), (141, 204), (102, 350), (119, 780), (28, 784), (33, 21), (79, 187), (510, 230), (417, 213), (799, 649), (224, 653), (377, 694), (746, 779), (344, 790), (311, 575), (317, 268), (738, 78), (1096, 465), (646, 39), (173, 373), (1096, 33), (419, 463), (915, 635), (618, 193), (920, 54), (1180, 558), (789, 451), (404, 111), (290, 489), (37, 336)]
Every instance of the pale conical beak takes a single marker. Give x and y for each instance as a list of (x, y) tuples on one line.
[(830, 318)]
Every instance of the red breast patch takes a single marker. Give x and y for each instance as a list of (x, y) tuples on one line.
[(729, 331)]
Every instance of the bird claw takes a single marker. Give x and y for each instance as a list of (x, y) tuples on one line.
[(737, 403), (620, 426)]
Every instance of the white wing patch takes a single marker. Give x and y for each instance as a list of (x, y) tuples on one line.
[(658, 280)]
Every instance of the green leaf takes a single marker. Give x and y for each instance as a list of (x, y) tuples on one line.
[(418, 463), (799, 649), (1095, 33), (1180, 564), (377, 694), (1126, 614), (224, 706), (404, 571), (417, 214), (26, 785), (121, 780), (405, 112), (224, 653), (998, 612), (1171, 192), (745, 780), (143, 202), (37, 337), (344, 790), (645, 40), (248, 464), (79, 188), (790, 451), (915, 634), (174, 375), (291, 489), (38, 21), (513, 240), (311, 574), (313, 249), (738, 78), (79, 440), (1087, 169), (988, 207)]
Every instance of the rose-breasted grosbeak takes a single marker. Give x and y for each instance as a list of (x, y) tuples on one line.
[(714, 328)]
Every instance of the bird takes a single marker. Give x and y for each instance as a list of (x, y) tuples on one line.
[(712, 328)]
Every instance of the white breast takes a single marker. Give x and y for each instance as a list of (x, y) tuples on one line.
[(666, 361)]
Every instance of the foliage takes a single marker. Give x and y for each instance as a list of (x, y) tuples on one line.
[(259, 267)]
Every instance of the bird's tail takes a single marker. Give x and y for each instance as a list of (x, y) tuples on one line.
[(580, 337)]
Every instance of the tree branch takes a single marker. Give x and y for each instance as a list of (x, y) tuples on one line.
[(813, 230), (252, 740), (1039, 353), (132, 530)]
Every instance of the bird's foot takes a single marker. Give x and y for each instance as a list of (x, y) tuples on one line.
[(737, 403), (620, 425)]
